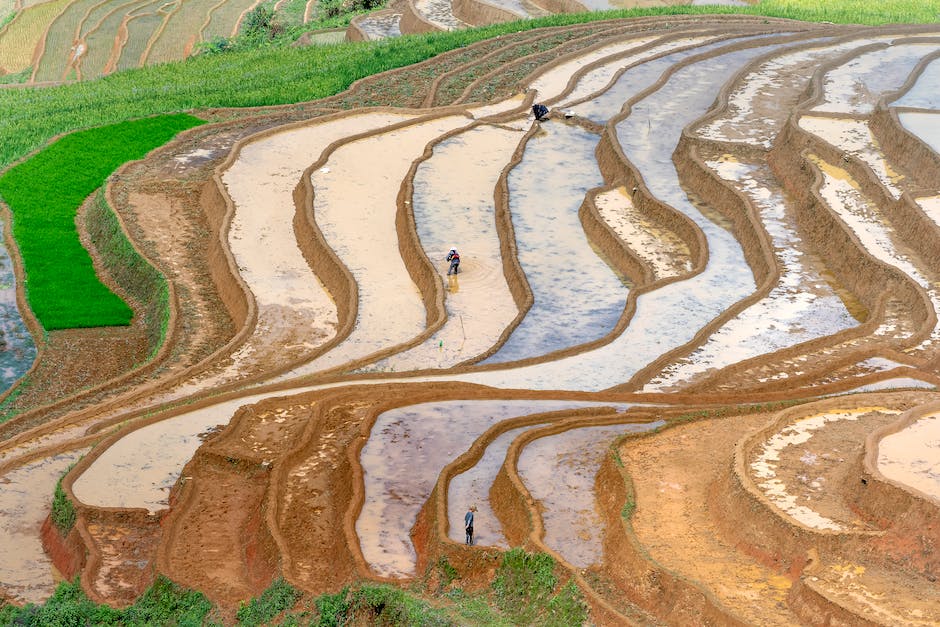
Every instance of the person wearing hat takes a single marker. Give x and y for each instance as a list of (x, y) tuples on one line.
[(454, 258), (468, 523)]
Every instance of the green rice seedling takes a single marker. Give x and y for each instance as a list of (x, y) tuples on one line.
[(44, 194)]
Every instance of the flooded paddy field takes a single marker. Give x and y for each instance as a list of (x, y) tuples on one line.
[(695, 322)]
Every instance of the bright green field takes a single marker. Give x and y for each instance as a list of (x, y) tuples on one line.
[(44, 193)]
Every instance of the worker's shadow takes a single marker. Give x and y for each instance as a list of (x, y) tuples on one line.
[(452, 286)]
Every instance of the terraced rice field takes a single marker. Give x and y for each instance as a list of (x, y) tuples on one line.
[(691, 350)]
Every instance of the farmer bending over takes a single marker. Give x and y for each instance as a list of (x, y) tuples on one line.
[(454, 258)]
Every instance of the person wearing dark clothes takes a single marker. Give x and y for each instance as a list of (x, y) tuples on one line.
[(540, 112), (454, 258), (468, 523)]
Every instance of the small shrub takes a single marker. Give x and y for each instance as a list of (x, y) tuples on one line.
[(524, 582), (447, 571), (279, 596), (63, 511), (567, 607), (333, 608), (166, 603), (387, 605)]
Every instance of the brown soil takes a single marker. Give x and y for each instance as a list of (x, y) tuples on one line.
[(689, 536)]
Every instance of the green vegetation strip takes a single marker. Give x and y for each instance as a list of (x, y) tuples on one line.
[(44, 194), (141, 280), (164, 603), (63, 512), (281, 75)]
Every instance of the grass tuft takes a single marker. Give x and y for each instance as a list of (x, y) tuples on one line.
[(279, 596)]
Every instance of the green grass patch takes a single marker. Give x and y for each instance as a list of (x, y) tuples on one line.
[(164, 603), (134, 273), (278, 597), (63, 511), (44, 194), (281, 75), (374, 604)]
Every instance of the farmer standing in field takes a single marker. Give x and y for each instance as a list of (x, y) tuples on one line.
[(468, 523)]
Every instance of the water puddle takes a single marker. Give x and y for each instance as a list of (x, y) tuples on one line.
[(355, 208), (473, 488), (17, 350), (577, 296), (926, 126), (844, 197), (801, 307), (559, 471), (898, 383), (925, 94), (931, 207), (912, 456), (295, 312), (552, 83), (855, 139), (497, 108), (594, 80), (453, 208), (662, 250), (638, 78), (427, 436), (762, 101), (138, 470), (440, 13), (670, 316), (380, 26), (857, 85), (765, 468), (26, 572)]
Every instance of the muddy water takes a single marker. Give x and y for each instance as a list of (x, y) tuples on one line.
[(931, 207), (497, 108), (609, 103), (598, 78), (844, 197), (139, 469), (665, 253), (355, 197), (854, 138), (552, 83), (559, 471), (912, 456), (406, 451), (925, 94), (670, 316), (764, 467), (17, 350), (473, 488), (453, 208), (897, 383), (801, 307), (381, 26), (761, 102), (295, 312), (577, 296), (440, 13), (856, 86), (926, 126), (26, 573)]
